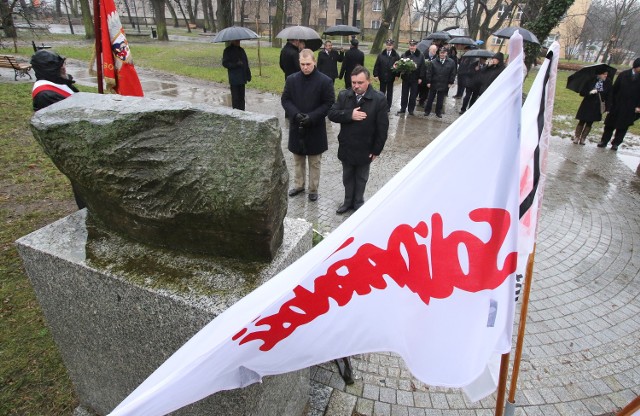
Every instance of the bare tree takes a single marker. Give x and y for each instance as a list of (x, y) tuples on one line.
[(305, 8), (87, 20), (161, 22), (224, 13), (278, 23), (433, 12), (390, 11), (480, 13), (186, 21), (173, 14)]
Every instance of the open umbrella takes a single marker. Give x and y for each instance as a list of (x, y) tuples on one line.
[(341, 30), (479, 53), (506, 33), (235, 33), (438, 36), (310, 37), (578, 79), (463, 40), (423, 45)]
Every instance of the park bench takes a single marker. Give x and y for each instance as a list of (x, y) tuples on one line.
[(36, 48), (21, 69)]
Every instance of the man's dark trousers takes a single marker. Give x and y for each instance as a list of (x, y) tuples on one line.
[(354, 179), (440, 94), (409, 93), (617, 138), (237, 96), (386, 87)]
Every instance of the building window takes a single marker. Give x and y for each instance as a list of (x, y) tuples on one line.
[(322, 22), (497, 41), (518, 14), (339, 4), (338, 22), (289, 19), (502, 10), (322, 4), (245, 17), (375, 24), (377, 5)]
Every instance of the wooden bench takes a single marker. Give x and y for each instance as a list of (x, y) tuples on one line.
[(21, 69)]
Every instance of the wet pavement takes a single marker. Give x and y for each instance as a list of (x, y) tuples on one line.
[(582, 346)]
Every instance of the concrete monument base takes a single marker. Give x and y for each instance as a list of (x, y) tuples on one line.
[(118, 309)]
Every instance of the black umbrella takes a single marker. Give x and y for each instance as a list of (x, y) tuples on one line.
[(506, 33), (578, 79), (479, 53), (235, 33), (439, 36), (463, 40), (341, 30), (424, 45)]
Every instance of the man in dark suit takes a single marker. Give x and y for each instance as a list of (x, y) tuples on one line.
[(306, 99), (440, 77), (382, 70), (625, 106), (289, 57), (352, 58), (412, 80), (328, 59), (234, 58), (364, 123)]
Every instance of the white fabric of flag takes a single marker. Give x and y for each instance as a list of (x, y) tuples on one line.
[(425, 269), (537, 113)]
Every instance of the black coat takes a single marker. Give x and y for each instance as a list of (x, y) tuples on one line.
[(289, 59), (352, 58), (625, 97), (234, 58), (465, 70), (589, 109), (440, 75), (382, 67), (488, 75), (328, 63), (358, 139), (419, 72), (313, 95)]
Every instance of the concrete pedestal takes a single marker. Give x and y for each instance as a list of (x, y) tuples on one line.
[(118, 309)]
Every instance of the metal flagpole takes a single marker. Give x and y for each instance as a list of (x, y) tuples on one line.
[(97, 28), (510, 405)]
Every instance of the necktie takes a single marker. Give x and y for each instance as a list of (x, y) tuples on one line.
[(358, 98), (442, 61), (389, 54)]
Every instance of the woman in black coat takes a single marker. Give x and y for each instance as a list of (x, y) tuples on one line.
[(596, 94)]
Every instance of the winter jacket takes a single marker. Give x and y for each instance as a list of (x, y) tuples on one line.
[(589, 109), (625, 97), (234, 58), (384, 62), (419, 72), (289, 59), (352, 58), (441, 75), (328, 62)]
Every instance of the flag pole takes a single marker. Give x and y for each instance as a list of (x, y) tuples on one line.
[(631, 408), (510, 405), (97, 28), (502, 383)]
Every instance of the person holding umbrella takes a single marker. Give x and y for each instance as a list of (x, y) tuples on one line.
[(234, 58), (382, 70), (596, 97), (289, 57), (328, 59), (625, 106), (352, 58)]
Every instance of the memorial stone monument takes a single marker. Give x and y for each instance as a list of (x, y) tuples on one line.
[(186, 215)]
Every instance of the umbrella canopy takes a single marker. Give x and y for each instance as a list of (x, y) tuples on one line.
[(462, 40), (506, 33), (341, 30), (235, 33), (423, 45), (578, 79), (298, 32), (439, 35), (479, 53)]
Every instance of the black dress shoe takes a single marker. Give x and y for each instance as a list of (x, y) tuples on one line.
[(400, 112), (294, 191), (602, 144), (313, 197), (462, 111), (343, 208), (614, 147), (439, 115), (410, 113)]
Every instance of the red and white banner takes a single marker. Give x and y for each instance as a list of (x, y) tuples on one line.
[(117, 63), (426, 269)]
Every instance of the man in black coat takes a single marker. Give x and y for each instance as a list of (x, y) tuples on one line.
[(440, 77), (306, 99), (328, 59), (410, 81), (352, 58), (362, 114), (234, 58), (289, 57), (625, 106), (382, 70), (423, 91)]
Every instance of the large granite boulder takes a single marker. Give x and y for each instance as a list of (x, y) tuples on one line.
[(172, 174)]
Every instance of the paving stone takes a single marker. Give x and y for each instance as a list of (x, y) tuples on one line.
[(371, 392), (381, 409), (364, 406), (341, 404), (387, 395), (405, 398)]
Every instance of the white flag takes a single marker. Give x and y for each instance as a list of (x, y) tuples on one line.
[(537, 115), (426, 269)]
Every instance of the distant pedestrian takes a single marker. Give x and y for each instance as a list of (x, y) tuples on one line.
[(382, 70), (411, 80), (439, 78), (306, 99), (234, 58), (625, 106), (364, 124), (352, 58), (489, 73), (472, 88), (465, 68), (289, 57), (328, 59), (595, 102), (52, 84), (423, 90)]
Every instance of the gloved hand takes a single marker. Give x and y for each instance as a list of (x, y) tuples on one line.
[(305, 121), (298, 117), (593, 91)]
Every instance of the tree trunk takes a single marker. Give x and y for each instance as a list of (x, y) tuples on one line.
[(398, 20), (305, 12), (87, 21), (277, 24), (7, 20), (161, 22), (173, 14), (224, 14), (192, 18), (184, 16), (389, 13), (212, 19), (344, 11), (205, 14), (126, 6)]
